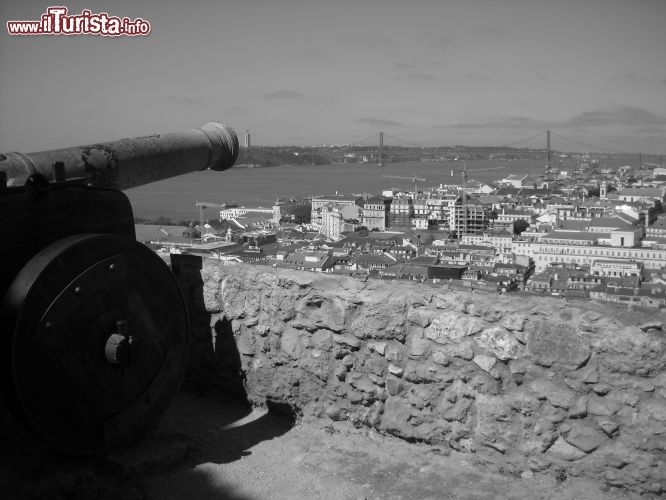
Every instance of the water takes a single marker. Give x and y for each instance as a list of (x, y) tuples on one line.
[(252, 187)]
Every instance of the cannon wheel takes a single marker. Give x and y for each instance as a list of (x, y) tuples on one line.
[(95, 339)]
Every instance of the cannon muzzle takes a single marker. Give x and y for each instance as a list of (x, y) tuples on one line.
[(128, 163)]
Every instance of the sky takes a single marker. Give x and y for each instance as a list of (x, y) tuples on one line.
[(300, 72)]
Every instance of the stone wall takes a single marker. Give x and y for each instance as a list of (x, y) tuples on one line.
[(526, 384)]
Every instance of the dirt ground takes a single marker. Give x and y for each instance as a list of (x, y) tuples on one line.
[(211, 450), (261, 456)]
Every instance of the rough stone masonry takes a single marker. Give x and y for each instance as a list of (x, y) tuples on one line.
[(536, 384)]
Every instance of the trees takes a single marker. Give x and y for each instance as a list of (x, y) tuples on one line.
[(520, 225)]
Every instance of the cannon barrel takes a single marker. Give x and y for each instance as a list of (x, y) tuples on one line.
[(128, 163)]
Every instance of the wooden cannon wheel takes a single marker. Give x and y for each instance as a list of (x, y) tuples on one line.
[(95, 341)]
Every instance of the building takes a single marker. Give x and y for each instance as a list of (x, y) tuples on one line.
[(616, 268), (644, 194), (468, 217), (320, 201), (644, 296), (332, 221), (585, 248), (375, 213), (438, 208), (401, 211), (501, 240), (296, 211), (236, 212), (518, 181)]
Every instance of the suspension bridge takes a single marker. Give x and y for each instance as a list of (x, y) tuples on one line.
[(381, 147)]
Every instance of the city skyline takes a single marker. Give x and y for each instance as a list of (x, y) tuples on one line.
[(299, 72)]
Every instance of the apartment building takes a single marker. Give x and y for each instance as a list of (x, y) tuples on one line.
[(297, 211), (500, 240), (615, 268), (320, 201), (375, 213), (468, 217), (585, 251)]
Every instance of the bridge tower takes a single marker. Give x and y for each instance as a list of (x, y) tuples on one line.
[(548, 150), (381, 147)]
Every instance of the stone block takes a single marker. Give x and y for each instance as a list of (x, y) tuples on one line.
[(418, 348), (655, 408), (322, 339), (394, 386), (565, 451), (420, 316), (394, 352), (395, 418), (513, 321), (347, 340), (551, 343), (379, 347), (578, 408), (395, 370), (440, 357), (602, 407), (608, 426), (458, 411), (451, 326), (354, 397), (584, 437), (341, 372), (485, 362), (363, 384), (500, 342), (556, 395), (291, 344)]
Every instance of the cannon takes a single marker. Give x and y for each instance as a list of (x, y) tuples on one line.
[(94, 334)]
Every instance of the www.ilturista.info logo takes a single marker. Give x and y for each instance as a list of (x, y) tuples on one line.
[(56, 22)]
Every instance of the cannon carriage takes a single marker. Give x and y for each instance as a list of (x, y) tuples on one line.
[(94, 334)]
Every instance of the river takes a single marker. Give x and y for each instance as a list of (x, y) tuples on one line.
[(252, 187)]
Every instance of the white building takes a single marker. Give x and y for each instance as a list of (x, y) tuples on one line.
[(236, 212), (585, 248)]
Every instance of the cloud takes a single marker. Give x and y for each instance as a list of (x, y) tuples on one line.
[(181, 100), (489, 30), (430, 63), (420, 76), (313, 52), (284, 94), (420, 65), (440, 42), (629, 77), (477, 77), (513, 122), (379, 122), (376, 41), (617, 115), (610, 116)]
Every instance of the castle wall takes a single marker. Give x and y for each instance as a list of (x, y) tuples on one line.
[(538, 384)]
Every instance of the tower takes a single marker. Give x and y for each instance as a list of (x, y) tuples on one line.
[(603, 191), (548, 150), (247, 138), (381, 147)]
